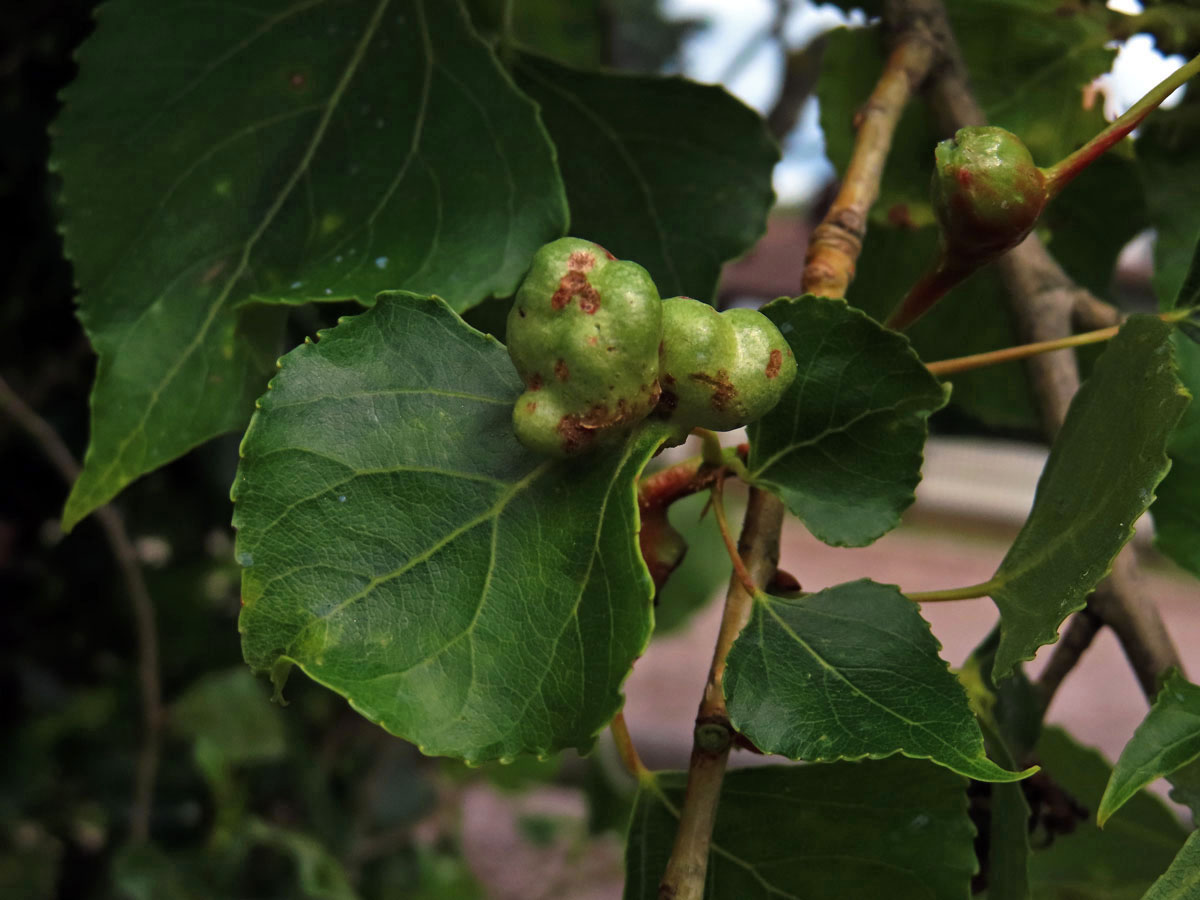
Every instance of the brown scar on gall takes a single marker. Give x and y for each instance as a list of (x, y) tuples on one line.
[(581, 261), (575, 284), (774, 364), (561, 372), (578, 431), (723, 390)]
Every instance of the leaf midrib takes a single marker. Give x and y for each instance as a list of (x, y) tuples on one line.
[(218, 303)]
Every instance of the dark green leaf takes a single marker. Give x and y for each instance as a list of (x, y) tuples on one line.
[(1100, 477), (669, 173), (1171, 173), (843, 448), (276, 153), (972, 319), (850, 672), (1118, 863), (1189, 292), (1182, 880), (1166, 740), (404, 550), (1010, 717), (897, 829)]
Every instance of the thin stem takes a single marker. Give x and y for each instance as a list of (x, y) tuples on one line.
[(970, 592), (739, 567), (1084, 627), (627, 749), (1023, 351), (141, 604), (1064, 171), (935, 284)]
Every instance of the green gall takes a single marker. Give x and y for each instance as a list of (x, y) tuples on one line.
[(720, 370), (583, 334), (987, 192)]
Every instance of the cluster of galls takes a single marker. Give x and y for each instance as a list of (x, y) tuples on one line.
[(599, 352)]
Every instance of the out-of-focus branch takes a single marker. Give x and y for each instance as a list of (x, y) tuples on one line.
[(836, 243), (801, 70), (141, 604), (1044, 301)]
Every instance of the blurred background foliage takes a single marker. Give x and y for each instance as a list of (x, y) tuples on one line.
[(254, 800)]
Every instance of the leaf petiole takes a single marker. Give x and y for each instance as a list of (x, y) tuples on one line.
[(970, 592), (739, 566), (945, 367), (1059, 175)]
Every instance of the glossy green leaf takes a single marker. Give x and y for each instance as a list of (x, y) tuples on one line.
[(275, 153), (404, 550), (1182, 880), (1166, 740), (672, 174), (897, 829), (1117, 863), (1010, 717), (843, 448), (849, 672), (1100, 477)]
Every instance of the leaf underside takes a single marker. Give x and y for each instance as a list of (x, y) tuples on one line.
[(1100, 477), (843, 448), (278, 153), (403, 549), (896, 828), (849, 672)]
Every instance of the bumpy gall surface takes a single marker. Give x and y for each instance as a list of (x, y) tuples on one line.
[(987, 192), (583, 334), (720, 370)]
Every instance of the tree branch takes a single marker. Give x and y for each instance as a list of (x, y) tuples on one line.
[(140, 603), (1045, 300), (832, 254), (836, 243)]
